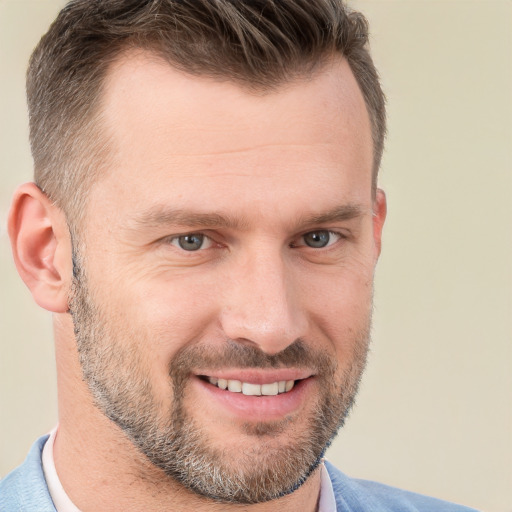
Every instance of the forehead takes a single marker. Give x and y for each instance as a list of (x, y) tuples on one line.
[(170, 130), (141, 85)]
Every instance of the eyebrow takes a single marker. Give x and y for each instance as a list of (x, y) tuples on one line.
[(164, 216), (161, 216), (340, 213)]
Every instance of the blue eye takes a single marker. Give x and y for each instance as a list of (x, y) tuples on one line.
[(191, 242), (320, 239)]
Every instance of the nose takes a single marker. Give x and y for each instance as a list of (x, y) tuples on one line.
[(263, 304)]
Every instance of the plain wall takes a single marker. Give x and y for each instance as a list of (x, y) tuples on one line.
[(434, 414)]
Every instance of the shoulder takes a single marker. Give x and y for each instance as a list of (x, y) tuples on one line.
[(24, 489), (362, 495)]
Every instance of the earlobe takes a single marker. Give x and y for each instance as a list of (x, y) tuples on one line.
[(41, 247), (379, 216)]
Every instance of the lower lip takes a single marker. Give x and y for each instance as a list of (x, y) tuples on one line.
[(257, 408)]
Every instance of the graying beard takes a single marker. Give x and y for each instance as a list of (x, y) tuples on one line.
[(179, 448)]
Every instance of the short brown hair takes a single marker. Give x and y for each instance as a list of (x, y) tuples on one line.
[(259, 44)]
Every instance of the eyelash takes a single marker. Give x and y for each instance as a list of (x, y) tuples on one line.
[(175, 241), (336, 234)]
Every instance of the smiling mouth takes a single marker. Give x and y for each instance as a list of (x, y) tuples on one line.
[(249, 389)]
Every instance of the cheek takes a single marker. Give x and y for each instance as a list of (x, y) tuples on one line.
[(171, 312), (340, 305)]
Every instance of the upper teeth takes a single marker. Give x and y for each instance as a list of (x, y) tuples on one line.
[(246, 388)]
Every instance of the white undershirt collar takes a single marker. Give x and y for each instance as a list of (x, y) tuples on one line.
[(58, 494)]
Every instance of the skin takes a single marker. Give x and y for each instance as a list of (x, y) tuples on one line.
[(275, 163)]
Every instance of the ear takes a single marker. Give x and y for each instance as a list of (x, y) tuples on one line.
[(41, 247), (379, 216)]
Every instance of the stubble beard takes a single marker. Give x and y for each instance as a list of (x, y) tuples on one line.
[(282, 454)]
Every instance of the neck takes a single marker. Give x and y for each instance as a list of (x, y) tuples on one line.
[(92, 453)]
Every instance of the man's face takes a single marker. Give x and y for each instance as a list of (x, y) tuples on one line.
[(231, 243)]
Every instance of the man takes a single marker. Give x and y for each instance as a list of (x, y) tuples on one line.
[(204, 225)]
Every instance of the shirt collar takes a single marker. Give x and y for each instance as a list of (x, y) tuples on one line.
[(59, 497), (327, 501)]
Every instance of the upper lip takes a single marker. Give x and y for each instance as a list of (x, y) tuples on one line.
[(257, 376)]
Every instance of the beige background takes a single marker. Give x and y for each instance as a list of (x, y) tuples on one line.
[(434, 414)]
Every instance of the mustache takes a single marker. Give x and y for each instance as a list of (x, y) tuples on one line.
[(232, 354)]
